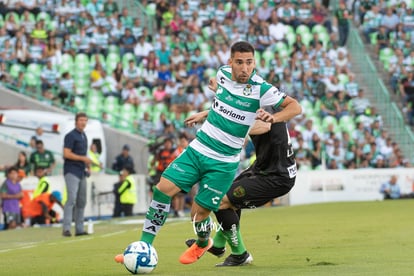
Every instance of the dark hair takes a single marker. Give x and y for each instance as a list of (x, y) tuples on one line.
[(9, 170), (26, 161), (39, 142), (242, 47), (80, 115)]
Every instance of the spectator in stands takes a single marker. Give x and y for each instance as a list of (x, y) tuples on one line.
[(67, 88), (342, 63), (351, 87), (129, 94), (133, 73), (7, 53), (49, 80), (42, 158), (161, 124), (142, 49), (372, 21), (123, 160), (264, 40), (242, 22), (390, 20), (96, 73), (68, 45), (127, 42), (39, 32), (163, 53), (406, 87), (302, 155), (93, 8), (179, 101), (407, 21), (118, 74), (391, 189), (150, 75), (159, 94), (116, 33), (100, 41), (316, 152), (308, 134), (151, 58), (383, 39), (11, 24), (360, 104), (10, 194), (197, 100), (320, 16), (126, 19), (110, 7), (109, 86), (164, 74), (21, 53), (304, 15), (342, 15), (83, 42), (36, 52), (264, 11), (22, 163), (145, 126)]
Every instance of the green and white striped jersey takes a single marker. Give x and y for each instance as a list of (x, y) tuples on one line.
[(233, 112)]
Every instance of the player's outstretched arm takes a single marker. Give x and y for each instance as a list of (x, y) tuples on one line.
[(291, 108), (196, 118), (259, 127)]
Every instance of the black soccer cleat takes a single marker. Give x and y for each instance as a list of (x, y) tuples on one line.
[(237, 260), (216, 251)]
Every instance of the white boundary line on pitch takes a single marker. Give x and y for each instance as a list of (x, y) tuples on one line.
[(172, 222)]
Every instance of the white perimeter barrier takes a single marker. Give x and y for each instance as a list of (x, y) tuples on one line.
[(346, 185)]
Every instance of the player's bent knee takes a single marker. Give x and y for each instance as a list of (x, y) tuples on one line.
[(199, 213), (167, 187)]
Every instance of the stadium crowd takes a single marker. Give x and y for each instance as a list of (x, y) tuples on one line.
[(94, 56), (389, 27)]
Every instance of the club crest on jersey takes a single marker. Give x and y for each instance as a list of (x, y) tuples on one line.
[(247, 91), (219, 90), (239, 192)]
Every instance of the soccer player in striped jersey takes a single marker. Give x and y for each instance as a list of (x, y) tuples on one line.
[(272, 175), (212, 158)]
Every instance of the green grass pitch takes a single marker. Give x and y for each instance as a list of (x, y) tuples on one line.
[(358, 238)]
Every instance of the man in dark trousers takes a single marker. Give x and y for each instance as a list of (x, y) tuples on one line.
[(75, 171)]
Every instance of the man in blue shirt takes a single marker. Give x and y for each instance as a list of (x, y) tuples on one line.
[(75, 169), (391, 189)]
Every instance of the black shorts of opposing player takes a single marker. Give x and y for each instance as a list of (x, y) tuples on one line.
[(250, 190)]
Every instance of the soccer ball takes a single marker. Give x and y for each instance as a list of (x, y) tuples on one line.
[(140, 257)]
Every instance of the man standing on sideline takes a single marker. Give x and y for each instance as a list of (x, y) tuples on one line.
[(127, 191), (76, 164)]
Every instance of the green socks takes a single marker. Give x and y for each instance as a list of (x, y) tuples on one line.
[(203, 230), (156, 215), (219, 239), (235, 240)]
